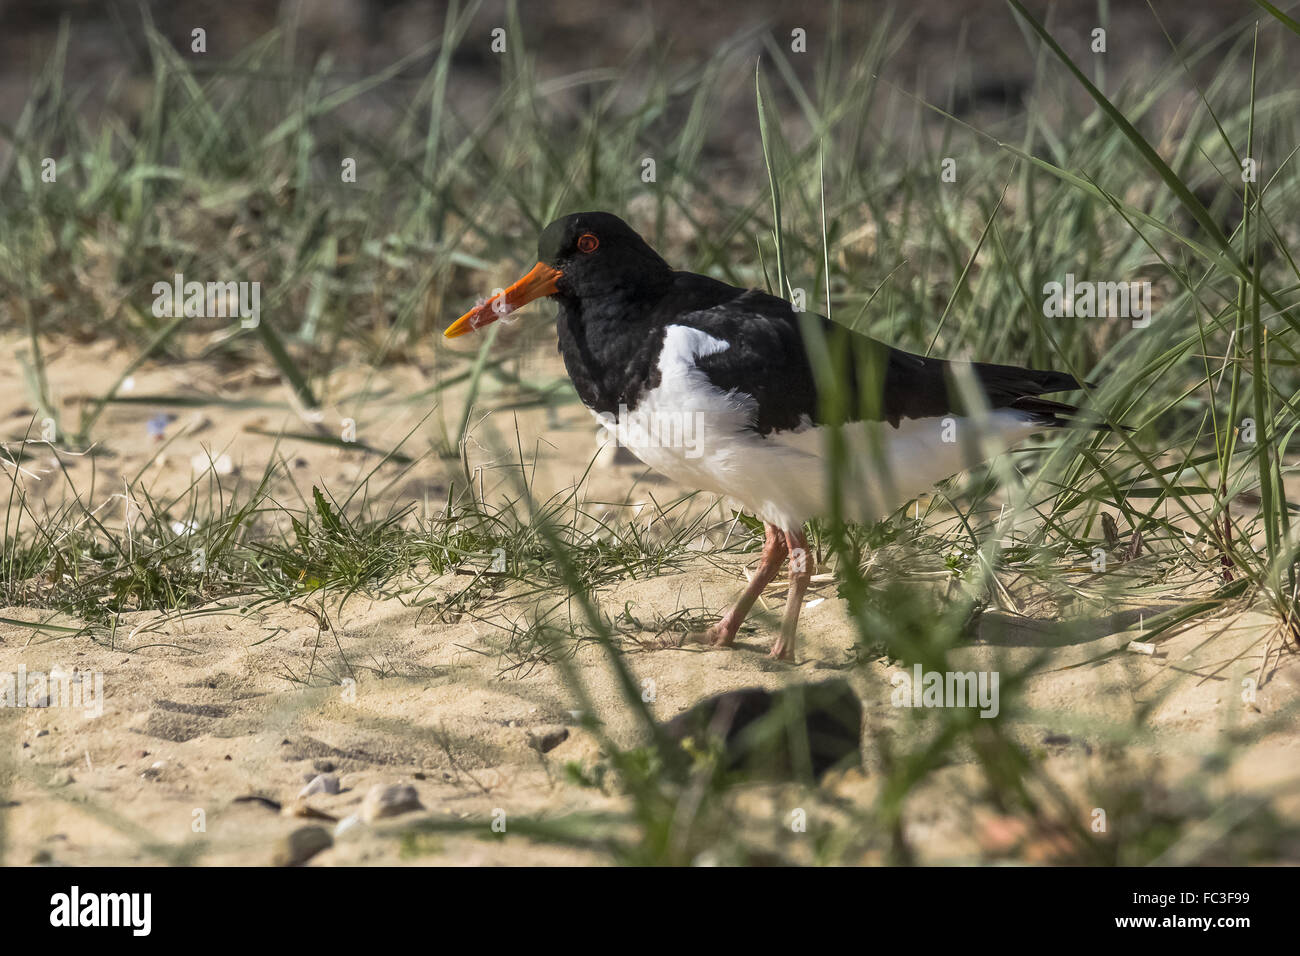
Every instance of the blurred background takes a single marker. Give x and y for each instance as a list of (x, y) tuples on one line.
[(966, 54)]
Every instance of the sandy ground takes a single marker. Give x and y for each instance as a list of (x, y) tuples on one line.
[(207, 708)]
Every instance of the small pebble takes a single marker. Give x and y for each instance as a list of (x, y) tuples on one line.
[(389, 801), (544, 741), (321, 783), (300, 846)]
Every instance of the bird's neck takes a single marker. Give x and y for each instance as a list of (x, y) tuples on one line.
[(606, 344)]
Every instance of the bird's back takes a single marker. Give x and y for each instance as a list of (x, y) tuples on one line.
[(768, 356)]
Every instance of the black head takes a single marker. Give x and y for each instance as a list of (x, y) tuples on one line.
[(583, 257), (597, 254)]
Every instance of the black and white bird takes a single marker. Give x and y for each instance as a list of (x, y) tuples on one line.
[(728, 376)]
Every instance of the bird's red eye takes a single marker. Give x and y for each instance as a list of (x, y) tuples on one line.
[(587, 242)]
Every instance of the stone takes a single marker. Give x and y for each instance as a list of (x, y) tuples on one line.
[(300, 846), (321, 783), (547, 739), (389, 801)]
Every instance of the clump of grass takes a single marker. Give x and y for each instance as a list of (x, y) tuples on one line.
[(95, 559)]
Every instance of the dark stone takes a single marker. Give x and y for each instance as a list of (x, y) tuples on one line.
[(547, 740), (797, 732), (300, 846)]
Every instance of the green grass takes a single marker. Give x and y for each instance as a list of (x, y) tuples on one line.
[(230, 172)]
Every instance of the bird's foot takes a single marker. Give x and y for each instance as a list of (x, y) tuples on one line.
[(719, 635), (783, 648)]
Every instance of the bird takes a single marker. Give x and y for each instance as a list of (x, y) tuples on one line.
[(725, 390)]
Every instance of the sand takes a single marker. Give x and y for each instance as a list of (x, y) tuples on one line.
[(206, 707)]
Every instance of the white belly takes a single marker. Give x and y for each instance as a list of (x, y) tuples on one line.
[(785, 478)]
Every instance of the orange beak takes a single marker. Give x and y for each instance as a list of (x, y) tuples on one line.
[(541, 280)]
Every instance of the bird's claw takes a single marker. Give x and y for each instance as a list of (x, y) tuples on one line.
[(716, 636), (782, 650)]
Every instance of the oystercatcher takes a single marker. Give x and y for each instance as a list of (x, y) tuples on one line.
[(715, 387)]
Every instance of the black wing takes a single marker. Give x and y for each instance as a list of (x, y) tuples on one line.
[(767, 358)]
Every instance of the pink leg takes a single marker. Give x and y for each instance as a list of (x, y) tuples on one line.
[(774, 550), (800, 575)]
